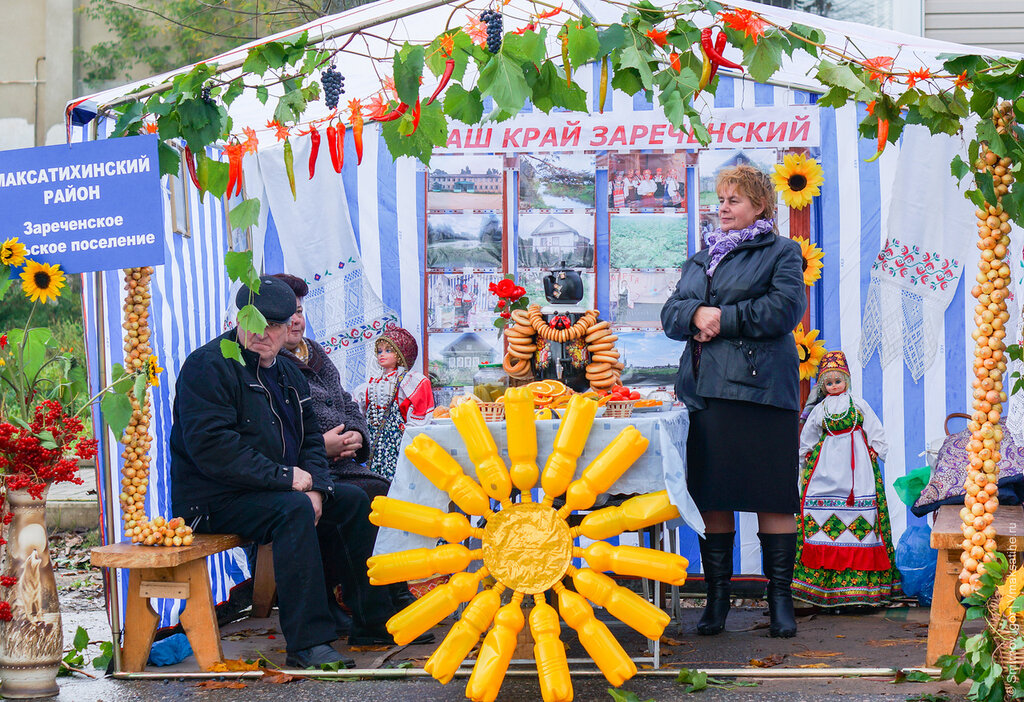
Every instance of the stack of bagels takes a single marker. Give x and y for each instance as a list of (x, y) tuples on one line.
[(604, 368)]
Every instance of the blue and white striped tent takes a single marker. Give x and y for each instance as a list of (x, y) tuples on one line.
[(378, 224)]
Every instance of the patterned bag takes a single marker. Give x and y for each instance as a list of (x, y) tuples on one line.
[(946, 486)]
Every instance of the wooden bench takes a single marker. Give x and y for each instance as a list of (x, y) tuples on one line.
[(178, 572), (947, 614)]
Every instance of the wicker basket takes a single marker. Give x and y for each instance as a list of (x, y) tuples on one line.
[(619, 409), (493, 411)]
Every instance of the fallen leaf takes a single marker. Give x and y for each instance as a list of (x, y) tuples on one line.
[(365, 649), (813, 665), (840, 636), (221, 685), (277, 677), (230, 666), (817, 654), (768, 661), (669, 641), (885, 643)]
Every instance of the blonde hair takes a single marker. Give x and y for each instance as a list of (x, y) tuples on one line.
[(752, 183)]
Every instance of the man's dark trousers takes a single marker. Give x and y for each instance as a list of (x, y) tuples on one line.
[(286, 519)]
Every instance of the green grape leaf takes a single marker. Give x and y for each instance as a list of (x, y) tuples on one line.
[(245, 214), (231, 349), (502, 78), (463, 105), (117, 412), (141, 381), (408, 67)]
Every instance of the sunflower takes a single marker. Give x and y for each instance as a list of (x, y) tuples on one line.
[(153, 370), (809, 350), (798, 178), (41, 281), (812, 256), (12, 253)]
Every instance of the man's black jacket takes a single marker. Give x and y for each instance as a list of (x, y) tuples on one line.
[(226, 436)]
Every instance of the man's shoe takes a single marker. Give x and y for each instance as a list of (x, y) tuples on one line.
[(316, 656), (378, 636)]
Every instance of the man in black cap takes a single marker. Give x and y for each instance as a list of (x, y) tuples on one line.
[(247, 458)]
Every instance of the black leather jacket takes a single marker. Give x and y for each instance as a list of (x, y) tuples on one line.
[(759, 288), (226, 436)]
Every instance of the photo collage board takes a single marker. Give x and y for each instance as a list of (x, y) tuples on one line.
[(638, 213), (465, 253)]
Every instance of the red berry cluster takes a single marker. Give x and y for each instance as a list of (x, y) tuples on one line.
[(26, 463)]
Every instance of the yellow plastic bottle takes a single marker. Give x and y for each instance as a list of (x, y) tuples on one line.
[(446, 474), (434, 606), (482, 451), (624, 605), (635, 513), (420, 519), (634, 560), (463, 636), (549, 652), (602, 646), (419, 563), (568, 445), (603, 471), (522, 439), (496, 652)]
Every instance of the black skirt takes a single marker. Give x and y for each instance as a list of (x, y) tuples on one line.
[(742, 457)]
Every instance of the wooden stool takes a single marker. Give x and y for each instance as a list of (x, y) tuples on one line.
[(947, 614), (177, 572)]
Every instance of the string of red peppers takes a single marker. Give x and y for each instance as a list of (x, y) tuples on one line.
[(713, 59)]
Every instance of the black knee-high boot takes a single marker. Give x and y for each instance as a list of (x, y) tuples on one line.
[(778, 555), (716, 561)]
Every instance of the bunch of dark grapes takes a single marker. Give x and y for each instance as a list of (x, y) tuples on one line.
[(205, 95), (334, 86), (494, 29)]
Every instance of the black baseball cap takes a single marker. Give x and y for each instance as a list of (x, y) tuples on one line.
[(275, 300)]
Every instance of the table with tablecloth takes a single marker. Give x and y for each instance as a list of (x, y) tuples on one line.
[(661, 467)]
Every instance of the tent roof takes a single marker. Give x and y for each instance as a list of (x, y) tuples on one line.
[(422, 20)]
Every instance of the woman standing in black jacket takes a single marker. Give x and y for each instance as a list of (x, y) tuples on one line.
[(736, 305)]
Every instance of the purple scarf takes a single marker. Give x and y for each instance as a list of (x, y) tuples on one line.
[(721, 243)]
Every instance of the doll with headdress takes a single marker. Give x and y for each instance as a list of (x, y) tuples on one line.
[(398, 397), (844, 540)]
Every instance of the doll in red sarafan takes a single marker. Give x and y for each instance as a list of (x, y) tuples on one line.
[(844, 540), (397, 397)]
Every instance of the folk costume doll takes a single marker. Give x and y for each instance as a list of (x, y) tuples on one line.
[(844, 542), (398, 397)]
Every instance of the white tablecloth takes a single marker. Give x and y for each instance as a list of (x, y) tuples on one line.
[(662, 466)]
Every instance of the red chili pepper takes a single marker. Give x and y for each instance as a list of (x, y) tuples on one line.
[(415, 118), (719, 48), (332, 144), (673, 59), (883, 137), (395, 113), (715, 56), (234, 151), (340, 135), (314, 138), (190, 162), (449, 68)]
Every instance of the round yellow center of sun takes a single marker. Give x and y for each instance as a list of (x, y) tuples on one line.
[(527, 547)]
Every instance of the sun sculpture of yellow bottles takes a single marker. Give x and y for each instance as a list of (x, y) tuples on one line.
[(527, 548)]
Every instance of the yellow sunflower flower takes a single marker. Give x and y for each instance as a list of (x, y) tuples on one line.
[(810, 351), (153, 370), (41, 281), (12, 253), (798, 179), (812, 256)]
